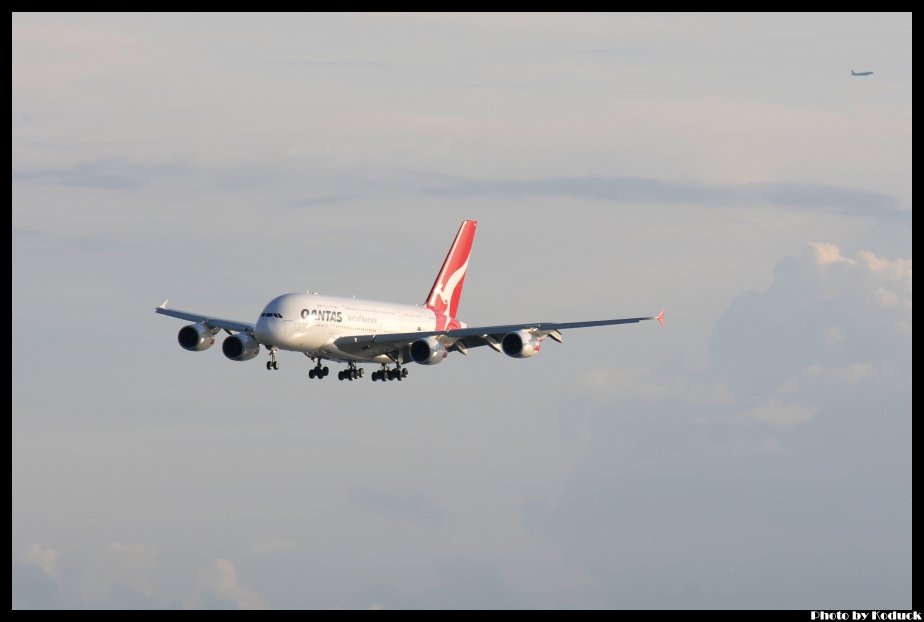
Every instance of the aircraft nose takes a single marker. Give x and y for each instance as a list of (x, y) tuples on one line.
[(270, 331), (263, 331)]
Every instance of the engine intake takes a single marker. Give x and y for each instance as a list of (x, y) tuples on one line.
[(195, 337), (240, 347), (520, 344), (428, 351)]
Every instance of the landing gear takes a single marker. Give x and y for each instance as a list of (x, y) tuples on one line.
[(399, 373), (352, 373), (317, 371), (272, 363)]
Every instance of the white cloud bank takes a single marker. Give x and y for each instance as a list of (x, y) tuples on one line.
[(826, 317), (219, 586)]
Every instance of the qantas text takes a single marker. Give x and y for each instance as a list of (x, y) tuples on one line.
[(322, 316)]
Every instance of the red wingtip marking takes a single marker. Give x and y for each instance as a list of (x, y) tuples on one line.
[(660, 317)]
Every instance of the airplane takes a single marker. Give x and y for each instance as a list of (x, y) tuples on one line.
[(351, 331), (860, 73)]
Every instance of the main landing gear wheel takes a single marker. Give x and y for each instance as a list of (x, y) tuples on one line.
[(317, 371), (272, 363), (351, 374), (399, 373)]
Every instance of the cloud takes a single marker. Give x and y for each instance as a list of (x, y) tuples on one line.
[(43, 558), (126, 564), (649, 386), (23, 232), (404, 505), (120, 575), (34, 580), (86, 175), (123, 575), (823, 312), (850, 374), (819, 197), (825, 254), (776, 413), (678, 493), (219, 588), (32, 588), (828, 327)]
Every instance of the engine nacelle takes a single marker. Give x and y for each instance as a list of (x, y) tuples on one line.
[(240, 347), (195, 337), (428, 351), (520, 344)]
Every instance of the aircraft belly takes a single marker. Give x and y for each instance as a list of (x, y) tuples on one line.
[(335, 354), (305, 339)]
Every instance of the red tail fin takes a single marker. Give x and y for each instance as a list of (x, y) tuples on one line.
[(447, 289)]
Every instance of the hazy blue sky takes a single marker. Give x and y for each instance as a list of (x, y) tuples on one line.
[(755, 452)]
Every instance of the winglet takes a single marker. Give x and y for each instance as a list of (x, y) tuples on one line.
[(660, 317), (163, 305)]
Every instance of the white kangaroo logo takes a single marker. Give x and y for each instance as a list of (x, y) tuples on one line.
[(445, 293)]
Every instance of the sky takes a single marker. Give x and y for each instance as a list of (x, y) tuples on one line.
[(755, 452)]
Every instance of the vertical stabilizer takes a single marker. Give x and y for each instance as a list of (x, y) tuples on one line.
[(447, 289)]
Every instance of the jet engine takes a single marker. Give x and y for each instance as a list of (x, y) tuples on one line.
[(428, 351), (196, 337), (240, 347), (520, 344)]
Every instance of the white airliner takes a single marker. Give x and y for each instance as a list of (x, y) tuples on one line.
[(353, 331)]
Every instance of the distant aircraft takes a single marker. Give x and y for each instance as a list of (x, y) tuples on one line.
[(860, 73), (353, 331)]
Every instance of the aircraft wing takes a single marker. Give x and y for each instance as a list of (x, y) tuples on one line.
[(208, 320), (462, 338)]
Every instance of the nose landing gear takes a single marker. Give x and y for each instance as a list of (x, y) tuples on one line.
[(272, 363)]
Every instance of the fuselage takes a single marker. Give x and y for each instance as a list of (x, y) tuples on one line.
[(311, 323)]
